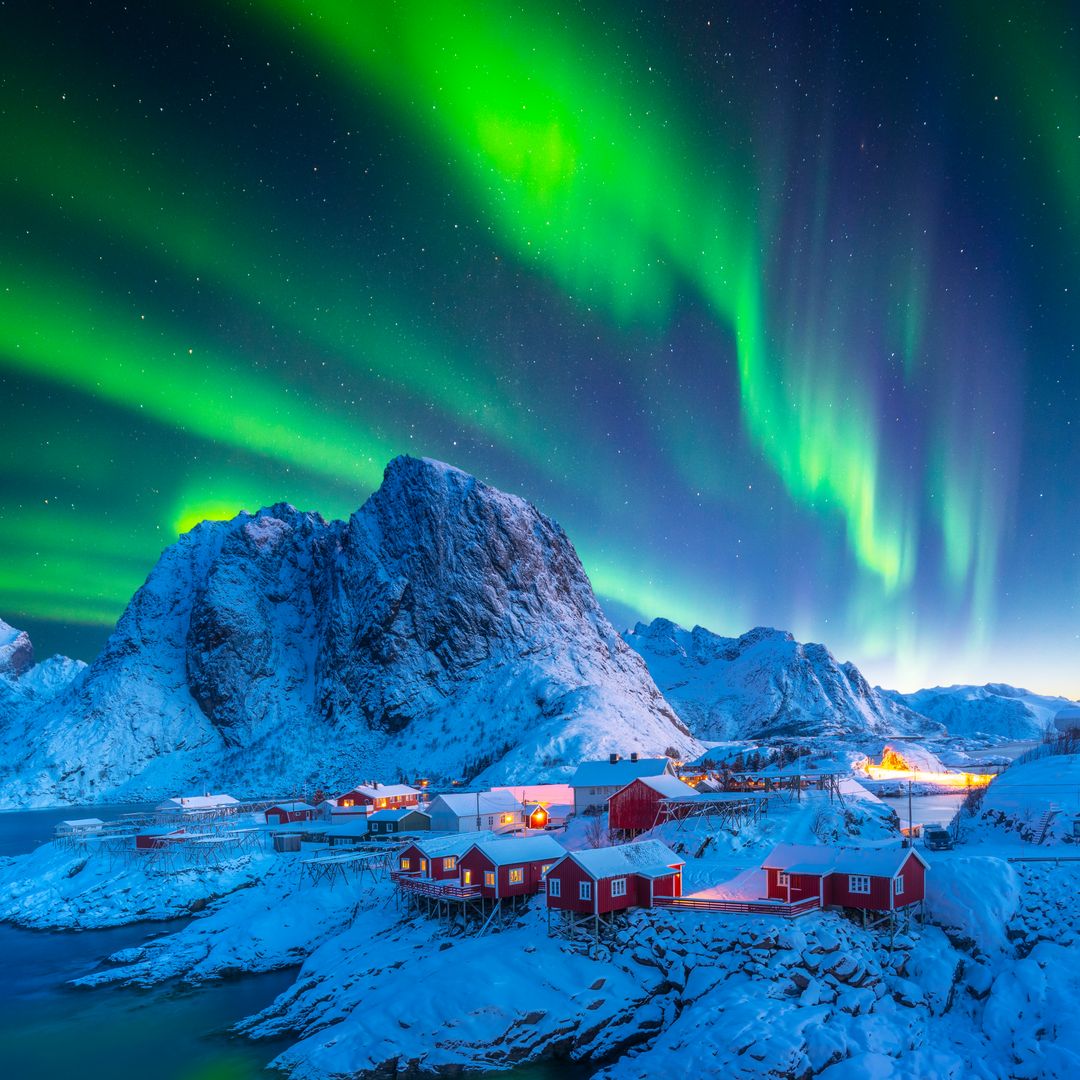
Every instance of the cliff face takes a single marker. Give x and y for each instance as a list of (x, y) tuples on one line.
[(765, 684), (444, 629)]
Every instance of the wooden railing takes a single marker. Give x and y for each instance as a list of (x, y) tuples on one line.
[(451, 890), (739, 907)]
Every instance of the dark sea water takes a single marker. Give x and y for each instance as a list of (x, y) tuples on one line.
[(49, 1031)]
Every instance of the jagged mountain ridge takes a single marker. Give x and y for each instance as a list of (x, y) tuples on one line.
[(24, 684), (993, 711), (764, 684), (445, 627)]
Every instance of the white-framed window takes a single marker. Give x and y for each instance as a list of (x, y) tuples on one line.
[(898, 887), (554, 887), (506, 819), (618, 886), (545, 868), (517, 875), (584, 890), (406, 864), (423, 866), (449, 863), (858, 883), (489, 879), (491, 819), (466, 877), (783, 879)]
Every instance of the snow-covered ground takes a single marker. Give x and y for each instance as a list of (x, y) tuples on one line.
[(986, 988)]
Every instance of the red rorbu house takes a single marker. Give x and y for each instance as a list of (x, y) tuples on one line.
[(287, 812), (870, 879), (375, 796), (516, 866), (602, 880), (436, 859), (634, 808)]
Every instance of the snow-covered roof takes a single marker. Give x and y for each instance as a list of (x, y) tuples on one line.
[(670, 787), (545, 794), (455, 844), (380, 791), (821, 860), (291, 807), (198, 802), (463, 803), (395, 815), (520, 849), (608, 773), (84, 823), (650, 858)]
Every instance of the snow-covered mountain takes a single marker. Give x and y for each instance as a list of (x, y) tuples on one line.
[(445, 629), (763, 684), (995, 711), (24, 685)]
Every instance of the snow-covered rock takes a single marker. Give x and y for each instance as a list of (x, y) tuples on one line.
[(446, 628), (994, 711), (764, 684), (24, 685)]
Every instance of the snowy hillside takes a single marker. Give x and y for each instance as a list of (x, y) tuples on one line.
[(995, 711), (445, 628), (24, 685), (764, 683)]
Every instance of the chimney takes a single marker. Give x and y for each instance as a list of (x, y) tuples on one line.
[(633, 756), (612, 758)]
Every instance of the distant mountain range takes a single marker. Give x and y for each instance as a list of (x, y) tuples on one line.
[(765, 684), (446, 629), (993, 711)]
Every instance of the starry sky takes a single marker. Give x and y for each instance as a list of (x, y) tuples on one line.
[(773, 306)]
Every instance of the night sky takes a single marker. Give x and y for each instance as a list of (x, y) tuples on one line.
[(772, 306)]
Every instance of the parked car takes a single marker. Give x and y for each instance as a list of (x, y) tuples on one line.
[(936, 838)]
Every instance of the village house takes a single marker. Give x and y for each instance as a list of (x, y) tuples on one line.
[(197, 806), (635, 808), (870, 878), (437, 857), (515, 866), (469, 811), (286, 813), (598, 881), (596, 781), (545, 804), (406, 820), (77, 827), (372, 796)]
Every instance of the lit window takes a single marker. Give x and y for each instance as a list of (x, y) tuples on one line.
[(489, 879), (782, 879), (554, 887), (423, 866), (517, 875), (859, 883), (506, 819), (898, 886), (406, 864), (545, 868), (466, 877), (584, 890), (450, 862), (618, 887)]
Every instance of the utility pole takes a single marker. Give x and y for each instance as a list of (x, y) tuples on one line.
[(910, 832)]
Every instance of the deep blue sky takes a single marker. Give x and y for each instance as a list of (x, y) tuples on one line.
[(770, 305)]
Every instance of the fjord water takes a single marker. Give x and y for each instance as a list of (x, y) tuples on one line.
[(49, 1031)]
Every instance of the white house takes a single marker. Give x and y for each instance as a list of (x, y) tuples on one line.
[(467, 811), (198, 806), (596, 781)]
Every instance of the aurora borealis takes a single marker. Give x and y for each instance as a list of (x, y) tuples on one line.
[(772, 306)]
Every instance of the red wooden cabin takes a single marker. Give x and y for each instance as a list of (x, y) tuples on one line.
[(148, 841), (516, 866), (634, 808), (608, 879), (288, 812), (870, 879), (376, 796), (438, 857)]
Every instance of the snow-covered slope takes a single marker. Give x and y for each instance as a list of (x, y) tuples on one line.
[(24, 685), (764, 683), (444, 629), (995, 710)]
